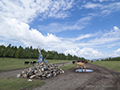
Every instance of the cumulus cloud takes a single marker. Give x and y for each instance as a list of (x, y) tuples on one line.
[(115, 28), (90, 53), (14, 31), (117, 51), (108, 39), (18, 32), (16, 16)]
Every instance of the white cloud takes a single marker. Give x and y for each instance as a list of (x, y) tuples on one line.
[(115, 32), (103, 9), (82, 37), (14, 27), (91, 5), (107, 37), (18, 10), (102, 0), (115, 28), (26, 11), (104, 40), (89, 53), (57, 27), (113, 44), (117, 51), (15, 16), (16, 31), (13, 30), (20, 32)]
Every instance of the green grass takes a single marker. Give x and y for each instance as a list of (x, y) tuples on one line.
[(68, 66), (58, 61), (113, 65), (12, 83), (19, 84), (7, 64)]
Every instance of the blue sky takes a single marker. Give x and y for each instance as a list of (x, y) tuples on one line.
[(86, 28)]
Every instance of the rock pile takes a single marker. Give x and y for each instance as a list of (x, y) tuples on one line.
[(41, 70)]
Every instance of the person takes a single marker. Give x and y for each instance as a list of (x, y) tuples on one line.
[(63, 63)]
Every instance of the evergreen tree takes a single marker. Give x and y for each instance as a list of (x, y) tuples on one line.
[(62, 56), (19, 53), (2, 49), (50, 55), (75, 57), (14, 52), (69, 57), (56, 56)]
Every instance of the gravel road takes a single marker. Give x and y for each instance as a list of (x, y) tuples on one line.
[(101, 79)]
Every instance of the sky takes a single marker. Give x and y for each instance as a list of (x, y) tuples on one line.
[(85, 28)]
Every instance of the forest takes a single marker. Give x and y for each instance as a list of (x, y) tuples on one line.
[(32, 53), (110, 59)]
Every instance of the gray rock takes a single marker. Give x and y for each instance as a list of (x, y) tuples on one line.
[(41, 70)]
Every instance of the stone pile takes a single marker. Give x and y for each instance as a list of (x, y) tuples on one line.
[(41, 70)]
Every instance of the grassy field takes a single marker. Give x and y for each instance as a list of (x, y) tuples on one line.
[(13, 83), (68, 66), (19, 84), (7, 64), (58, 61), (113, 65)]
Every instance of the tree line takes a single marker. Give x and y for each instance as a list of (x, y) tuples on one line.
[(30, 53), (110, 59)]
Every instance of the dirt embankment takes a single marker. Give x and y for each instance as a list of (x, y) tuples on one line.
[(101, 79)]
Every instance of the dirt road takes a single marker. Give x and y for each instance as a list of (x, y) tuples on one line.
[(101, 79), (15, 72)]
